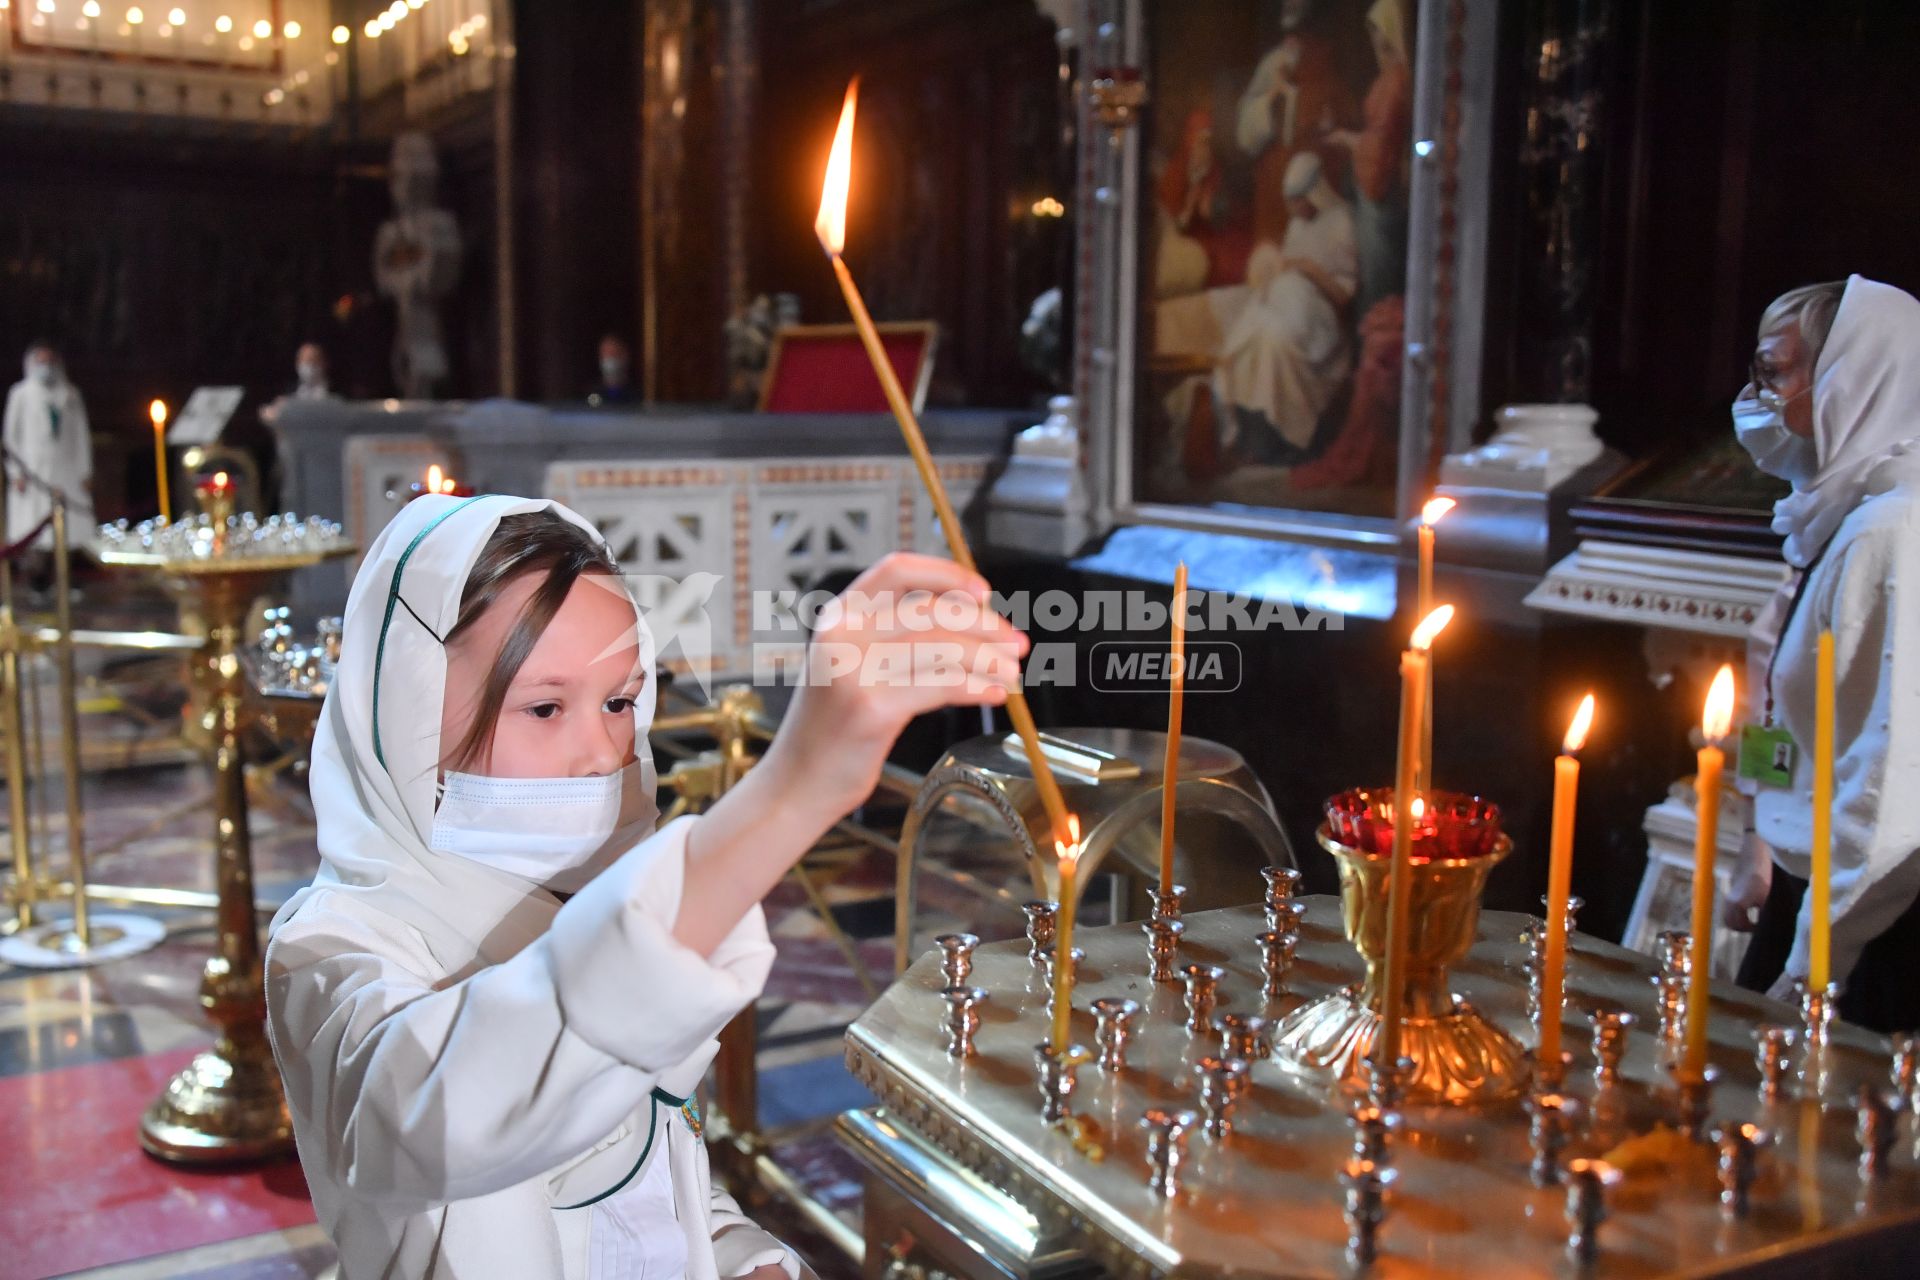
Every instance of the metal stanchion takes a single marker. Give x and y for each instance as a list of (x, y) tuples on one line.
[(10, 711)]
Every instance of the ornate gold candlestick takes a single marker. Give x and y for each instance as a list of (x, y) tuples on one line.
[(1459, 1056), (226, 1104)]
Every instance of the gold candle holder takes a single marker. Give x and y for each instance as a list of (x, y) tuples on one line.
[(1460, 1058)]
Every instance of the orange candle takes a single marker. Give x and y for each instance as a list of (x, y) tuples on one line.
[(1429, 517), (1176, 696), (1715, 722), (831, 228), (1553, 970), (1068, 852), (158, 412), (1406, 807), (1820, 879)]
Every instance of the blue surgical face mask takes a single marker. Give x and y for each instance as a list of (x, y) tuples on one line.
[(557, 832), (1759, 423)]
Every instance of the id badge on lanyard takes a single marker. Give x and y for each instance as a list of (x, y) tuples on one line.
[(1767, 750)]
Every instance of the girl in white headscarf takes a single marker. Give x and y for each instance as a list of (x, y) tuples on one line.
[(49, 447), (494, 1004), (1835, 409)]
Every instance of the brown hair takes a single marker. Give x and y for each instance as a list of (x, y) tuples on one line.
[(536, 542)]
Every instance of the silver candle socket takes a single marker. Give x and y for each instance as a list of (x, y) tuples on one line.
[(956, 956), (1536, 992), (1113, 1029), (1550, 1124), (1673, 953), (1693, 1098), (1739, 1165), (1167, 903), (1533, 936), (1374, 1129), (1587, 1182), (1816, 1014), (1386, 1087), (1203, 993), (1905, 1073), (1220, 1087), (1574, 903), (1276, 961), (963, 1018), (1366, 1185), (1058, 1074), (1163, 940), (1166, 1146), (1771, 1054), (1609, 1045), (1243, 1035), (1042, 922), (1875, 1129), (1285, 916), (1074, 959), (1283, 885), (1549, 1077)]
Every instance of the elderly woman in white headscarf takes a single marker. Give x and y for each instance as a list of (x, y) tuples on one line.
[(1834, 408)]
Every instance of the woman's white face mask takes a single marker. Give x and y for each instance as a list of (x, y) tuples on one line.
[(1759, 423), (556, 832)]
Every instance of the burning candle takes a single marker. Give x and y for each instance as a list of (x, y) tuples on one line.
[(1715, 721), (1429, 517), (1407, 805), (434, 476), (1068, 852), (158, 412), (1176, 696), (831, 228), (1820, 881), (1553, 974)]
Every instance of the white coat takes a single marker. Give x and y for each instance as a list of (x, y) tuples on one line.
[(464, 1056), (1858, 524), (58, 455)]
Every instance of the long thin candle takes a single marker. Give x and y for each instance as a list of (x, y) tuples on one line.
[(1430, 515), (831, 227), (158, 412), (1413, 671), (1069, 855), (1820, 884), (1176, 698), (1553, 968), (1714, 724)]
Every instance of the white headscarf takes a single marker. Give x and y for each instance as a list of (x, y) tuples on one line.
[(1866, 415), (376, 753)]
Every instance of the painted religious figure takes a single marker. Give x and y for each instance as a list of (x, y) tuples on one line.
[(1277, 258), (416, 262)]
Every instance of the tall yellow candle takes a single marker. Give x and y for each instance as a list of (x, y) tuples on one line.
[(1553, 968), (1429, 516), (158, 412), (1406, 806), (831, 228), (1068, 853), (1176, 696), (1715, 721), (1820, 882)]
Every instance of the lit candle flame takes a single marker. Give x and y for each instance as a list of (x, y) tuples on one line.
[(831, 225), (434, 476), (1430, 626), (1418, 808), (446, 485), (1069, 851), (1435, 508), (158, 412), (1577, 731), (1717, 720), (220, 480)]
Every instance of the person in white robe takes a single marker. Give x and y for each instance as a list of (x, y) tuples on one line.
[(1837, 413), (490, 1050), (49, 449)]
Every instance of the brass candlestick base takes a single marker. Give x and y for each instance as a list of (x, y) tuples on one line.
[(1460, 1058), (227, 1104)]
